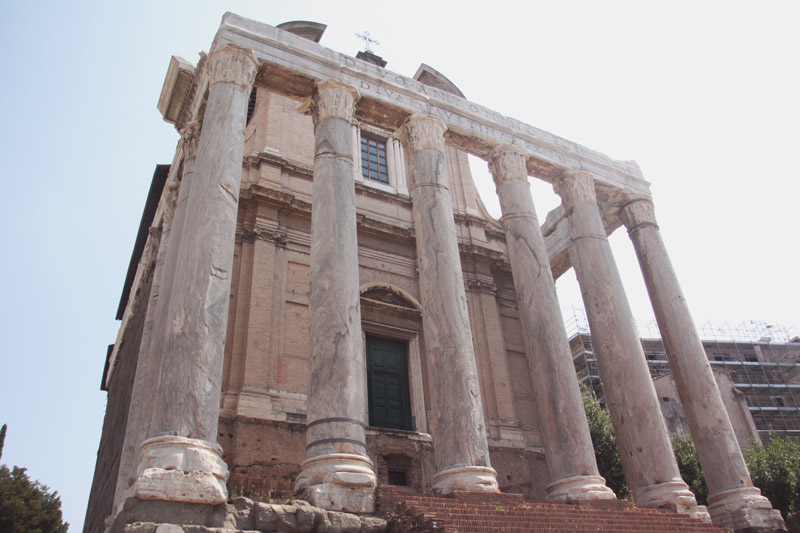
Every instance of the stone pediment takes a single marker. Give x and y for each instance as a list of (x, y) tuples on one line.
[(431, 77)]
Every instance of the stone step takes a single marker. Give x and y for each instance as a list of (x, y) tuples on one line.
[(470, 512)]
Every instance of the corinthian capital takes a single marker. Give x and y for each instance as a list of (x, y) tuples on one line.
[(232, 64), (424, 132), (190, 135), (575, 187), (334, 99), (637, 213), (507, 162)]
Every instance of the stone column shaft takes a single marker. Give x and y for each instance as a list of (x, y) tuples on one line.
[(337, 473), (181, 460), (644, 445), (149, 363), (460, 447), (565, 431), (733, 500)]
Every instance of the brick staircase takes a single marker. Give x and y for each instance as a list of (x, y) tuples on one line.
[(470, 512)]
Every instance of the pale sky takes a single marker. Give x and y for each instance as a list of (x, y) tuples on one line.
[(703, 95)]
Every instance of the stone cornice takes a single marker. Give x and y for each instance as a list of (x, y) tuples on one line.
[(256, 158), (474, 249), (365, 222), (295, 58), (470, 220)]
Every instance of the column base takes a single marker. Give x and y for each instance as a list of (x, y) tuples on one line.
[(744, 509), (179, 469), (338, 482), (579, 488), (466, 478), (673, 495)]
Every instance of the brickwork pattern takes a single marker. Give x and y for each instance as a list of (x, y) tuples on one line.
[(104, 483), (511, 513)]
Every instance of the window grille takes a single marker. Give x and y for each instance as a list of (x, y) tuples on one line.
[(373, 158)]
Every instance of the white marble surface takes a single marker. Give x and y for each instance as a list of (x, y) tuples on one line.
[(713, 435), (458, 427), (644, 445), (565, 431), (337, 474)]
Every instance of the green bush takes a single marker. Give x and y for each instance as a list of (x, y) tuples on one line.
[(776, 471), (605, 445), (27, 505), (689, 466)]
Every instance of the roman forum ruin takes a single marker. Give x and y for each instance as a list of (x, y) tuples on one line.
[(319, 302)]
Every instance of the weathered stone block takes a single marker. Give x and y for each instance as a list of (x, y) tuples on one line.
[(307, 516), (271, 517), (336, 522), (373, 524), (136, 511), (241, 514)]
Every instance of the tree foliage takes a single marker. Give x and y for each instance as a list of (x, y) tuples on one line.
[(689, 466), (27, 505), (776, 471), (605, 444)]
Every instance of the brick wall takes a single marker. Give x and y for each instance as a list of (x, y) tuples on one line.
[(106, 469)]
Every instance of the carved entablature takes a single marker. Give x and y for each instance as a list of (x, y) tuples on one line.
[(481, 285), (389, 299), (170, 200), (190, 138), (277, 236), (177, 89)]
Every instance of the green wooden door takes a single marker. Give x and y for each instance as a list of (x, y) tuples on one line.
[(387, 380)]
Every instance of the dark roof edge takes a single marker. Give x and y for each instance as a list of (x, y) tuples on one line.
[(151, 204), (109, 351)]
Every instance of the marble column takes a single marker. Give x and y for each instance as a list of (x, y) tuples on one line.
[(337, 474), (461, 450), (644, 444), (733, 500), (181, 460), (149, 363), (565, 431)]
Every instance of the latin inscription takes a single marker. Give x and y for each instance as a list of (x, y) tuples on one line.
[(455, 118)]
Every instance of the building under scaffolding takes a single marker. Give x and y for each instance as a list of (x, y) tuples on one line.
[(762, 361)]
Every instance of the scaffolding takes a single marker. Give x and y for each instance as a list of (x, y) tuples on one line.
[(763, 361)]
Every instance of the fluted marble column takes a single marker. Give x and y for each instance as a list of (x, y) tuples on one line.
[(565, 432), (733, 500), (181, 460), (644, 444), (461, 450), (337, 473)]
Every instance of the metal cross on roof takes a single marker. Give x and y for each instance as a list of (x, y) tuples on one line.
[(367, 40)]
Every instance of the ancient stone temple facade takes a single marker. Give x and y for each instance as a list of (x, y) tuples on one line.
[(319, 302)]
